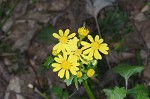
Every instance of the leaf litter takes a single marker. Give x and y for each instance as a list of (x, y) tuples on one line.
[(27, 20)]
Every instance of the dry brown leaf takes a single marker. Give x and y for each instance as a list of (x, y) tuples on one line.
[(8, 24), (145, 8), (24, 42), (117, 57), (140, 17), (14, 85), (21, 8), (19, 11), (93, 7), (4, 74)]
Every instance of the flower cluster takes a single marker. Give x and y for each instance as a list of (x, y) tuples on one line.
[(76, 59)]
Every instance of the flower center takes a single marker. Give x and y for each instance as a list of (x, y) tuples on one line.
[(78, 52), (95, 45), (65, 65), (63, 39)]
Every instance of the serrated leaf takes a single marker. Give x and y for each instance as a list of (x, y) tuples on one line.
[(127, 71), (143, 96), (94, 6), (80, 80), (137, 91), (69, 81), (116, 93), (48, 61)]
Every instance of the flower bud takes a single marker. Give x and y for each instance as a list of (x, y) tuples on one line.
[(90, 72), (94, 63), (83, 32), (79, 74)]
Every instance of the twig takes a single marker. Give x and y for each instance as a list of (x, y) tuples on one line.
[(144, 43), (72, 94), (97, 25)]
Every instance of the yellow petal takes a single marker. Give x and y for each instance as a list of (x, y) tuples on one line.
[(58, 60), (76, 68), (97, 55), (73, 70), (56, 69), (70, 58), (84, 43), (83, 61), (86, 57), (56, 35), (75, 64), (87, 51), (55, 65), (65, 55), (66, 32), (100, 40), (60, 57), (61, 73), (96, 37), (57, 46), (63, 47), (90, 38), (67, 74), (103, 48), (60, 32), (71, 45), (103, 51), (104, 44), (86, 46), (91, 53), (71, 35)]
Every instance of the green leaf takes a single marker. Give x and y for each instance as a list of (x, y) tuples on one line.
[(65, 95), (127, 71), (69, 81), (48, 62), (45, 35), (139, 92), (143, 96), (57, 90), (80, 80), (85, 77), (116, 93), (76, 83)]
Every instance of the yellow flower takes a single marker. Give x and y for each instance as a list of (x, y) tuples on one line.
[(90, 72), (63, 39), (65, 65), (79, 74), (72, 48), (96, 46)]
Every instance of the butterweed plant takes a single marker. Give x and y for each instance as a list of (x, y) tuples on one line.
[(75, 59)]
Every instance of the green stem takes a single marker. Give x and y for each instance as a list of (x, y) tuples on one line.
[(88, 90), (126, 84)]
